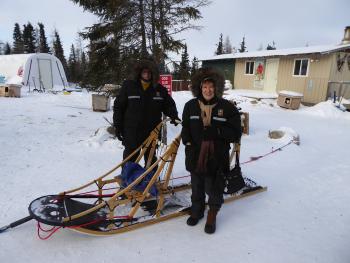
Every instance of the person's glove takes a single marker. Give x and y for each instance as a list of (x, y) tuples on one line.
[(175, 121), (210, 133), (119, 134)]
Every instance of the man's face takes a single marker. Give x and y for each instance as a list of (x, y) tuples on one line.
[(208, 90), (146, 74)]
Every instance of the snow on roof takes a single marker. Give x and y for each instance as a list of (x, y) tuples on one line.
[(290, 93), (282, 52)]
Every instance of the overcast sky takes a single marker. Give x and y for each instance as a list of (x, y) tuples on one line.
[(288, 23)]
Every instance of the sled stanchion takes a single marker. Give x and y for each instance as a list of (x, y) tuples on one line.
[(151, 153), (166, 156), (165, 184), (120, 164), (16, 223)]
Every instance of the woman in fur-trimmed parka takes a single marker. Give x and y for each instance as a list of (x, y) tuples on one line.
[(210, 124)]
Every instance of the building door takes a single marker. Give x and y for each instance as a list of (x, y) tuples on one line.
[(45, 73), (271, 73)]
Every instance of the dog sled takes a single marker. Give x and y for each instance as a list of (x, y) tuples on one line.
[(110, 204)]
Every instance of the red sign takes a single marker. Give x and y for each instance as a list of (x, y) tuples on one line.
[(166, 81)]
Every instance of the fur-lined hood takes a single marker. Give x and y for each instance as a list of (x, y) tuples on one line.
[(149, 64), (203, 73)]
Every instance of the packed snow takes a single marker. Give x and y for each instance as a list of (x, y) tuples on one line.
[(50, 143)]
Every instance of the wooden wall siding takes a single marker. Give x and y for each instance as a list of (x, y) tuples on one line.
[(241, 80), (314, 85)]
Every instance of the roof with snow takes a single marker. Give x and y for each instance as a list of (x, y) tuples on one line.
[(282, 52)]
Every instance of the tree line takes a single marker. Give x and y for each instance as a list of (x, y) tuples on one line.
[(128, 30), (30, 39), (225, 47)]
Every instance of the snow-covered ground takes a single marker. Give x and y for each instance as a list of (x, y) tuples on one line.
[(51, 143)]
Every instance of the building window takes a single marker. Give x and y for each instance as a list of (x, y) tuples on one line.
[(301, 67), (249, 67)]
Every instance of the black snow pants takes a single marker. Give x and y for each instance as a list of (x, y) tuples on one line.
[(213, 186)]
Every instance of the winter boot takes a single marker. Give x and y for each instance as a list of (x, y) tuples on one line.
[(192, 221), (210, 225)]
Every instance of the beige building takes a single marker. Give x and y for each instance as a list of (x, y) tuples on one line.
[(314, 71)]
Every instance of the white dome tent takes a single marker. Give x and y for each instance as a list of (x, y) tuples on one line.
[(37, 71)]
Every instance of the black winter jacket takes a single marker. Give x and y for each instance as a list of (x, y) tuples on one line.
[(225, 120), (137, 112)]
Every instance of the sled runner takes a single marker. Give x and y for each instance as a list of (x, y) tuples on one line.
[(111, 204)]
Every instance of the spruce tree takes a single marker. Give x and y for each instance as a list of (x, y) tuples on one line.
[(83, 67), (7, 50), (29, 38), (72, 65), (176, 71), (80, 59), (18, 46), (220, 46), (184, 70), (227, 46), (242, 48), (131, 29), (2, 47), (106, 63), (43, 46), (58, 50), (194, 66)]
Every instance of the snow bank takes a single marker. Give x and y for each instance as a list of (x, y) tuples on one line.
[(101, 138), (325, 109), (256, 94)]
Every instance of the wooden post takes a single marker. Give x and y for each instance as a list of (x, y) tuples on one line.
[(245, 122)]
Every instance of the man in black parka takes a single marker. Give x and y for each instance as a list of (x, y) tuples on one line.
[(210, 124), (139, 106)]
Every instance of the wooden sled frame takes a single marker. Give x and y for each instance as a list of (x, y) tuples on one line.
[(49, 210), (128, 195)]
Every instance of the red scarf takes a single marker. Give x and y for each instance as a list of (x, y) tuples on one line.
[(207, 150)]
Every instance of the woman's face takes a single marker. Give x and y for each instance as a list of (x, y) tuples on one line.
[(208, 90)]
